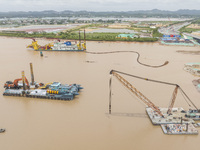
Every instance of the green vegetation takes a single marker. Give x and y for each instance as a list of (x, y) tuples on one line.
[(83, 27), (75, 36), (188, 30), (156, 33), (197, 21)]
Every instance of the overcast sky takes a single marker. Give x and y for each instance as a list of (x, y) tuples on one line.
[(97, 5)]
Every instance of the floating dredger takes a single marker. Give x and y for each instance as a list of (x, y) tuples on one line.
[(53, 90), (60, 46)]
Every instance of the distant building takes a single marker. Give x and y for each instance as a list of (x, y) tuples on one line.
[(126, 36)]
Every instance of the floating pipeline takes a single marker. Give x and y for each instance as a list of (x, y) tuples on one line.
[(62, 92), (138, 57)]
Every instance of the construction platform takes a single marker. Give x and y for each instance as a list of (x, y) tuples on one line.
[(172, 120), (177, 116), (179, 129)]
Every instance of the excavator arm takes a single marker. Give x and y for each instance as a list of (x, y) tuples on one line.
[(17, 80)]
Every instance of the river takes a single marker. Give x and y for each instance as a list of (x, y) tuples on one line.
[(84, 123)]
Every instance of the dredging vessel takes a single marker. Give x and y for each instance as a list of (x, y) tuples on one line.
[(53, 90), (60, 46)]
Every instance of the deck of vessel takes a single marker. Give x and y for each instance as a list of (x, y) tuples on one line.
[(178, 116), (177, 129)]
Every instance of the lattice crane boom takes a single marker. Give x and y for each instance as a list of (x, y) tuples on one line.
[(136, 92), (173, 100)]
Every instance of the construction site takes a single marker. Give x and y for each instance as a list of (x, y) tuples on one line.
[(86, 119), (172, 120)]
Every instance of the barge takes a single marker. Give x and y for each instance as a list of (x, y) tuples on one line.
[(56, 91), (53, 90), (178, 116), (179, 129)]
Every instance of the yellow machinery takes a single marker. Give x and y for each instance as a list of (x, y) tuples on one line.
[(52, 92), (45, 86), (34, 44)]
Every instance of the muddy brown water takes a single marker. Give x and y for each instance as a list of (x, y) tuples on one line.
[(84, 123)]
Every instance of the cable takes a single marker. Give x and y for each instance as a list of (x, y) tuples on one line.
[(188, 98), (185, 99), (143, 78)]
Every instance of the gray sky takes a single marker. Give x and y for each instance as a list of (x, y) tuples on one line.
[(97, 5)]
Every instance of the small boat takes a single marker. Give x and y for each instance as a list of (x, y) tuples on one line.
[(2, 130)]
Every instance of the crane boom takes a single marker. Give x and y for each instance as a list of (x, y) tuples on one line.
[(173, 100), (136, 92)]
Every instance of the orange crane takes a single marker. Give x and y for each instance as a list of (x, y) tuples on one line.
[(137, 93), (144, 98), (173, 100)]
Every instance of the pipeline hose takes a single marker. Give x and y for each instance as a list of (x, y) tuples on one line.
[(138, 56)]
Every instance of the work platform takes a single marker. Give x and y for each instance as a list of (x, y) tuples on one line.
[(179, 129), (174, 124), (178, 116)]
